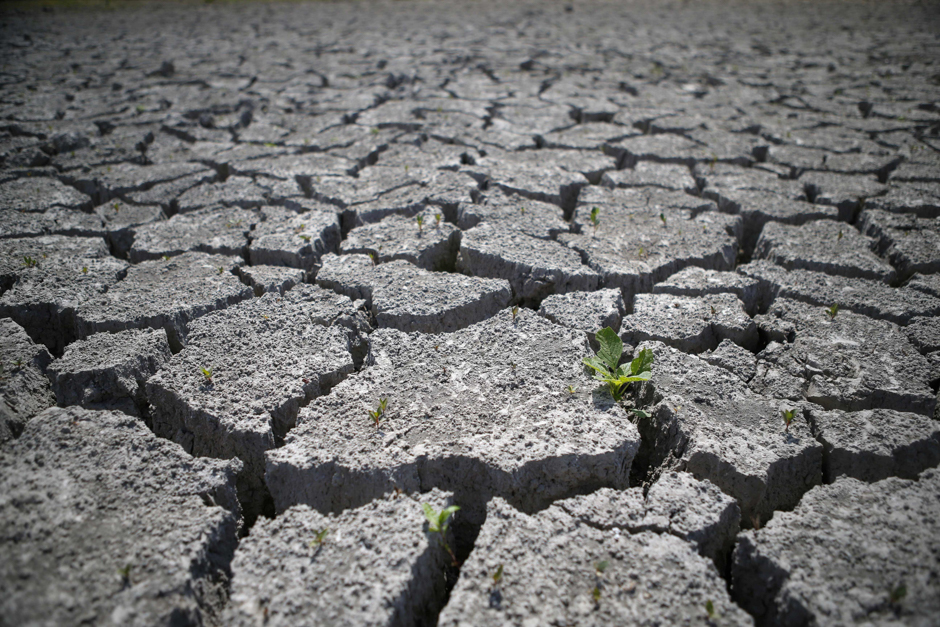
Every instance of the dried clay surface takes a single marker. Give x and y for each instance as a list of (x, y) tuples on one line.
[(415, 313)]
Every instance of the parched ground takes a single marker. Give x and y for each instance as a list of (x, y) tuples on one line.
[(280, 283)]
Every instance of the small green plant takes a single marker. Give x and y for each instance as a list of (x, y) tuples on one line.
[(498, 576), (29, 262), (594, 220), (605, 363), (438, 522), (515, 312), (710, 608), (639, 413), (897, 594), (596, 594), (379, 412), (270, 145), (305, 238), (832, 311), (165, 257), (374, 131), (221, 270), (437, 220), (18, 363), (572, 389), (662, 216), (840, 235), (125, 573), (788, 415), (319, 538), (372, 257), (207, 373), (420, 220), (601, 566), (84, 269)]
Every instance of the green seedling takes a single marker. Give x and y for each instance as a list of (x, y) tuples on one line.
[(207, 374), (374, 131), (515, 312), (832, 311), (898, 594), (438, 522), (270, 145), (125, 573), (594, 220), (662, 216), (498, 576), (319, 538), (639, 413), (710, 608), (18, 363), (84, 269), (596, 594), (372, 257), (605, 363), (572, 389), (601, 566), (165, 257), (840, 235), (221, 270), (231, 224), (420, 220), (379, 412), (29, 262), (788, 415), (305, 238), (437, 220)]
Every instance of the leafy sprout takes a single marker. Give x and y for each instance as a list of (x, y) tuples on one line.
[(515, 311), (420, 220), (898, 594), (84, 269), (605, 363), (662, 216), (438, 522), (498, 576), (30, 262), (379, 412), (601, 566), (710, 608), (594, 220), (437, 220), (207, 373), (832, 311), (319, 538), (788, 415), (305, 238)]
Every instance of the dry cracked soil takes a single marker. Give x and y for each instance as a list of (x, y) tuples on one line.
[(281, 285)]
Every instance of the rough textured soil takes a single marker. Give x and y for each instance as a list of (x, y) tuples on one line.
[(273, 277)]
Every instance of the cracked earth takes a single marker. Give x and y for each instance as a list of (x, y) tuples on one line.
[(275, 276)]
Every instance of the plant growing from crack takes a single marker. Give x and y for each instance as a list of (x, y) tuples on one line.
[(662, 216), (515, 312), (788, 415), (420, 220), (832, 311), (379, 413), (710, 608), (320, 538), (207, 373), (437, 220), (30, 262), (599, 569), (606, 368), (594, 220), (438, 522)]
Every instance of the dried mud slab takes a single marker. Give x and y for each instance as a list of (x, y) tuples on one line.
[(704, 420), (236, 388), (483, 411), (405, 297), (104, 522), (849, 362), (165, 294), (549, 576), (392, 573), (24, 388), (850, 552)]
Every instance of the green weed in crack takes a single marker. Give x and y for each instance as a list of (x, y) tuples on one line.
[(594, 220), (379, 414), (420, 220), (438, 522), (832, 311), (605, 363), (319, 539)]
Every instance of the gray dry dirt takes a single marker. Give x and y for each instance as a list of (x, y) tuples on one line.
[(273, 277)]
